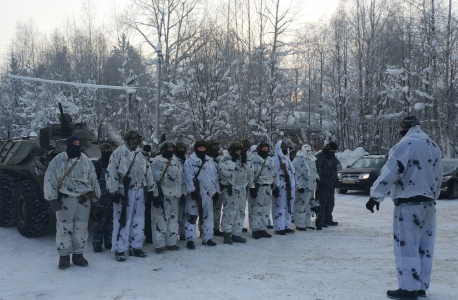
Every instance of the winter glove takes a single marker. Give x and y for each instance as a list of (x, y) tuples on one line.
[(301, 190), (215, 197), (182, 200), (194, 195), (55, 205), (235, 156), (253, 193), (96, 214), (316, 209), (150, 196), (371, 203), (244, 157), (276, 192), (157, 201), (116, 198)]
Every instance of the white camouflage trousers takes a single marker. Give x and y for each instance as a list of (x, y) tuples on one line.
[(303, 209), (234, 211), (132, 234), (414, 231), (192, 209), (281, 217), (164, 223), (71, 226), (260, 209)]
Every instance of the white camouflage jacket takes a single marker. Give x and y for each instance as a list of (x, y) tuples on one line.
[(281, 158), (413, 168), (119, 164), (173, 184), (208, 176), (268, 174), (234, 173), (81, 180)]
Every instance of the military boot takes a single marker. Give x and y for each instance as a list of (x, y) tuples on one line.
[(97, 248), (79, 260), (217, 232), (238, 239), (256, 235), (136, 252), (265, 234), (402, 294), (64, 262), (190, 245), (227, 238), (119, 256)]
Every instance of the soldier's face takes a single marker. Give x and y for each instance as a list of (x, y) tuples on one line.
[(238, 152), (265, 149), (182, 149), (202, 148), (170, 149), (76, 143)]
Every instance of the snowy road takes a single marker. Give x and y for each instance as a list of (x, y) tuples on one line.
[(352, 261)]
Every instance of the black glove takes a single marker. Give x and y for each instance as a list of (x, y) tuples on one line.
[(316, 209), (215, 197), (55, 205), (96, 214), (150, 196), (301, 190), (194, 195), (182, 200), (253, 193), (244, 157), (116, 198), (157, 201), (234, 156), (276, 192), (371, 203)]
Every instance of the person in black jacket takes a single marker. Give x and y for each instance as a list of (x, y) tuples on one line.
[(102, 230), (326, 165)]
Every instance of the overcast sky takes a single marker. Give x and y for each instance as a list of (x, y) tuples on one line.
[(49, 14)]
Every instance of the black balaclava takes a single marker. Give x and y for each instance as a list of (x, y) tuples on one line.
[(261, 153), (72, 150), (167, 154), (284, 151), (328, 148), (180, 154), (106, 157)]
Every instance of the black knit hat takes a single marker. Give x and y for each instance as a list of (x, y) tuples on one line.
[(200, 142), (332, 146), (409, 122), (262, 145)]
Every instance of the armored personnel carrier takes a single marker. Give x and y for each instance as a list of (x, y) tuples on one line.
[(23, 163)]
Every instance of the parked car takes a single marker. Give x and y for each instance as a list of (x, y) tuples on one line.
[(449, 187), (361, 174)]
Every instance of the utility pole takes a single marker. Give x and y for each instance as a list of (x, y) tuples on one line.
[(159, 80)]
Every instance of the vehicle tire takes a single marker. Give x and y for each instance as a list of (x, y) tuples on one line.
[(31, 212), (453, 193), (341, 191), (6, 201)]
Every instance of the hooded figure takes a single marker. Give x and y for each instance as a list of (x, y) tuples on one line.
[(326, 165), (265, 181), (413, 174), (283, 205), (129, 160), (234, 173), (71, 197), (305, 177), (200, 168)]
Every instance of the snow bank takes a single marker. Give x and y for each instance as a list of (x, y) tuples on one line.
[(348, 157)]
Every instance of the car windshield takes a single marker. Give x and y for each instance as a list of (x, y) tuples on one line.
[(373, 163), (449, 166)]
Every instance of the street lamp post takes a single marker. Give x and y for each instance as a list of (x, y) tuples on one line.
[(159, 78)]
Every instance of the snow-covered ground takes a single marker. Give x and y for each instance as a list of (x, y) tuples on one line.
[(351, 261)]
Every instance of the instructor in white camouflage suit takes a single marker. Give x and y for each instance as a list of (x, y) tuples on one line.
[(260, 201), (71, 186), (413, 172), (128, 159)]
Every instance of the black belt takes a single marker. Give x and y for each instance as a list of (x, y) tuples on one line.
[(265, 184), (414, 200)]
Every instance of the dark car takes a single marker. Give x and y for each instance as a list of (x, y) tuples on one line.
[(361, 174), (449, 187)]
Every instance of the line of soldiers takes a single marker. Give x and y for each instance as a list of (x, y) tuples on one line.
[(208, 186)]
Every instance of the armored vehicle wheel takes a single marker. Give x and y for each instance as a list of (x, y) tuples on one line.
[(6, 200), (31, 212), (453, 194)]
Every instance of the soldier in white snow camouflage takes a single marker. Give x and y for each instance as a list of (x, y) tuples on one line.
[(70, 184)]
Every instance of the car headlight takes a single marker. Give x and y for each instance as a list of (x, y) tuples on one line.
[(446, 178), (339, 175), (364, 176)]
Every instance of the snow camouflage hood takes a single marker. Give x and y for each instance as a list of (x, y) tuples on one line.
[(415, 133), (279, 153), (306, 151)]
